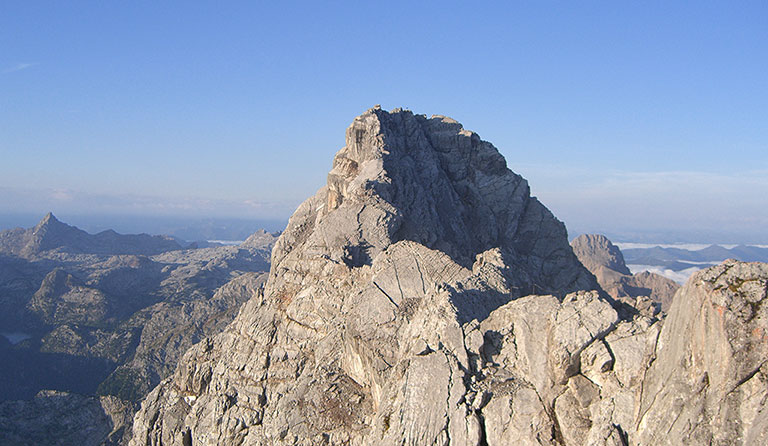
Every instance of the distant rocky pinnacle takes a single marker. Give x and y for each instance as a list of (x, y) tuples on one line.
[(51, 234), (595, 251), (604, 259), (423, 297)]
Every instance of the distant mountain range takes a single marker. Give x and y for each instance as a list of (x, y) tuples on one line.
[(603, 259), (183, 228), (679, 259), (108, 316), (51, 234)]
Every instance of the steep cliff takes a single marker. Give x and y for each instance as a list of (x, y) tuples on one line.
[(359, 336), (604, 259), (423, 297)]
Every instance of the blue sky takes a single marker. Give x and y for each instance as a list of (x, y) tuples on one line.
[(624, 116)]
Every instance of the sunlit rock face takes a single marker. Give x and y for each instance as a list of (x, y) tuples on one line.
[(422, 297), (709, 382), (647, 291)]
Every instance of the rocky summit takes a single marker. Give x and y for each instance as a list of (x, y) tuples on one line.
[(602, 258), (423, 297)]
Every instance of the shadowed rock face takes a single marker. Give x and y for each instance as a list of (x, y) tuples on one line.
[(603, 259), (61, 418), (82, 316), (406, 177), (393, 317), (100, 311), (359, 336)]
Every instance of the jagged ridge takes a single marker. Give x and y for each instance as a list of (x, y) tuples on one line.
[(420, 229), (392, 316)]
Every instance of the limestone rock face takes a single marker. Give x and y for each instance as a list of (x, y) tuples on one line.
[(709, 382), (604, 259), (424, 298), (595, 251), (359, 336)]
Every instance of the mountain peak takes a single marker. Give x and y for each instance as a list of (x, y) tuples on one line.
[(431, 181), (420, 234), (597, 250), (50, 233), (49, 219)]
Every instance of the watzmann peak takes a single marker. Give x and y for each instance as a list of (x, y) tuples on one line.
[(423, 297)]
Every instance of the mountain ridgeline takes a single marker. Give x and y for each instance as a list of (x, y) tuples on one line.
[(51, 234), (606, 262), (91, 322), (678, 259), (423, 297)]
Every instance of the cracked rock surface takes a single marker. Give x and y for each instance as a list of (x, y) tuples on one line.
[(709, 382), (423, 297)]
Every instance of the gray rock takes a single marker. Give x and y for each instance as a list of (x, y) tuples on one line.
[(100, 322), (359, 335), (648, 292), (709, 382), (403, 308), (596, 251)]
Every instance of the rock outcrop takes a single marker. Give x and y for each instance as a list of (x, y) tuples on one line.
[(598, 254), (360, 334), (709, 381), (604, 259), (422, 297)]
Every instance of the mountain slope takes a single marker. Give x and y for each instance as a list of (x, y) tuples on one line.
[(603, 259), (420, 229), (398, 312), (98, 323)]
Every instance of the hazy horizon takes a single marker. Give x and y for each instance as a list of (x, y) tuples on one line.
[(643, 122), (192, 228)]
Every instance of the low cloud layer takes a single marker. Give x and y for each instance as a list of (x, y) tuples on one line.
[(656, 206)]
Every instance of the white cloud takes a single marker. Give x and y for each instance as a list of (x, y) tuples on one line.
[(678, 276), (61, 195), (681, 201), (18, 67), (688, 246)]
